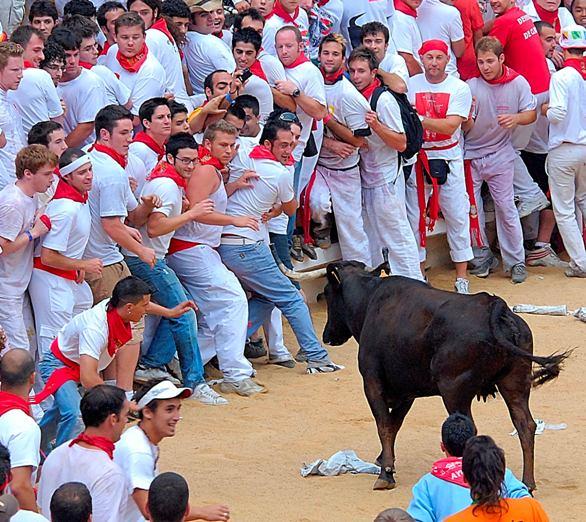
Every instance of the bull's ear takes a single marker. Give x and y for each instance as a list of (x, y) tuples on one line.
[(333, 275)]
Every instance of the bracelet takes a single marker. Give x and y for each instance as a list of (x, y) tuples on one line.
[(30, 236)]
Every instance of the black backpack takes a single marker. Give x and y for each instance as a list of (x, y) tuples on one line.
[(409, 117)]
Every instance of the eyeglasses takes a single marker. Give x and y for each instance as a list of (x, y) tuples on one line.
[(289, 117), (187, 161)]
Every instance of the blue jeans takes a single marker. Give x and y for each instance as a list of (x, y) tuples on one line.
[(65, 411), (257, 271), (179, 334), (292, 219), (281, 244)]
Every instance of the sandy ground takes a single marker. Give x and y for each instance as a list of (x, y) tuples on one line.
[(248, 454)]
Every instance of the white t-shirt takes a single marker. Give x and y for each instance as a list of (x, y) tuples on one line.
[(279, 224), (172, 197), (110, 197), (452, 97), (115, 91), (21, 435), (310, 82), (437, 20), (36, 98), (137, 456), (349, 108), (11, 127), (538, 143), (274, 185), (393, 63), (149, 82), (204, 54), (359, 12), (17, 214), (92, 467), (24, 515), (83, 97), (261, 90), (272, 67), (226, 37), (145, 154), (406, 35), (274, 23), (168, 55), (379, 163)]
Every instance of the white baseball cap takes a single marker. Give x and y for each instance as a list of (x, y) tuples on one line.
[(163, 390), (573, 37)]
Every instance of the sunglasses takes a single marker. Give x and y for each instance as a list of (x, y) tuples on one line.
[(289, 117)]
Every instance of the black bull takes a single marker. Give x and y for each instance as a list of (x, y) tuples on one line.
[(417, 341)]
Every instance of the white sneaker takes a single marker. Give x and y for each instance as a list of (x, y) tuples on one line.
[(206, 395), (544, 256), (462, 285), (245, 387)]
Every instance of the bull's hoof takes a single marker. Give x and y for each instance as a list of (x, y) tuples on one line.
[(382, 484)]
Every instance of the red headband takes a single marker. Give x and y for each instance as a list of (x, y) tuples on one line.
[(434, 45)]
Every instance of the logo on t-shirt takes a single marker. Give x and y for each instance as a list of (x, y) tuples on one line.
[(433, 105)]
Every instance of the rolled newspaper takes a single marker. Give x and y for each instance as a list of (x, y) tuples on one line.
[(540, 310), (581, 313)]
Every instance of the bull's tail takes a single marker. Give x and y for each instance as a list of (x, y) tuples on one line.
[(548, 367)]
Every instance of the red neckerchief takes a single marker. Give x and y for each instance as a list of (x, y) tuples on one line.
[(298, 61), (85, 65), (104, 50), (161, 25), (281, 13), (404, 8), (321, 3), (119, 332), (260, 152), (65, 191), (9, 402), (133, 64), (206, 158), (577, 63), (143, 137), (551, 17), (219, 34), (330, 79), (367, 92), (508, 76), (257, 70), (450, 470), (102, 443), (166, 170), (29, 65), (117, 157)]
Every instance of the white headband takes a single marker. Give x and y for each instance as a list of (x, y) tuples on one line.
[(74, 165)]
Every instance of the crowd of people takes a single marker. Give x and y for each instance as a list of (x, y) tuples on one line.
[(160, 160)]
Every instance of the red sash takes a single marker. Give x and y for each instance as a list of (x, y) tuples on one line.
[(9, 402), (133, 64), (161, 25), (85, 65), (66, 191), (102, 443), (65, 274), (143, 137), (405, 9), (29, 65), (474, 223), (166, 170), (551, 17), (306, 210), (116, 156), (119, 332), (421, 165), (178, 245)]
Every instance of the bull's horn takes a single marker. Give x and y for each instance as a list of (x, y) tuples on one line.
[(292, 274)]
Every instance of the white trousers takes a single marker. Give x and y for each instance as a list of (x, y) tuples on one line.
[(340, 191), (12, 322), (56, 301), (273, 328), (386, 225), (525, 187), (566, 169), (223, 309)]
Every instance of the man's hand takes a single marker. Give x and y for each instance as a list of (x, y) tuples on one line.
[(153, 201), (39, 229), (246, 222), (133, 184), (80, 277), (244, 181), (147, 255), (169, 96), (213, 513), (202, 208), (184, 203), (507, 121), (372, 120), (472, 108), (344, 150), (243, 5), (212, 108), (134, 233), (63, 106), (558, 59), (93, 266), (286, 87), (180, 309), (544, 107)]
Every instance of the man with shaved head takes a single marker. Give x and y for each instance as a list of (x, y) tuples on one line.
[(18, 430)]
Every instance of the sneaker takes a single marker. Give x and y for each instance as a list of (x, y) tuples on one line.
[(324, 368), (175, 368), (518, 273), (574, 271), (544, 256), (144, 374), (296, 251), (254, 349), (300, 357), (484, 268), (285, 362), (206, 395), (324, 242), (524, 208), (462, 285), (309, 250), (245, 388)]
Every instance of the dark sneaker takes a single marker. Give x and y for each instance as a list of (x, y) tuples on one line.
[(323, 368), (296, 251), (309, 251), (254, 349), (485, 267), (323, 242), (300, 357), (518, 273), (285, 362)]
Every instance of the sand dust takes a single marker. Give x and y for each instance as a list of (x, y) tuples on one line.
[(248, 454)]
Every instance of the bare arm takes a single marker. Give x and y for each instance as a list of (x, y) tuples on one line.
[(458, 47), (140, 497), (310, 105), (393, 81), (159, 225), (447, 125), (57, 260), (2, 140), (22, 240), (22, 488), (289, 207), (392, 139), (283, 100), (77, 136), (88, 371), (139, 216), (119, 233), (344, 133), (412, 64), (477, 35)]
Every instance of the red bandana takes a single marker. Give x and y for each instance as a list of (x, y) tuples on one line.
[(119, 332), (330, 79), (206, 158), (551, 17), (117, 157), (434, 45), (298, 61), (281, 13), (166, 170), (367, 92), (66, 191), (85, 65), (450, 470), (143, 137), (97, 442), (9, 402), (257, 70), (219, 34), (508, 76), (135, 63), (29, 65), (161, 25), (261, 152), (577, 63), (104, 50), (404, 8)]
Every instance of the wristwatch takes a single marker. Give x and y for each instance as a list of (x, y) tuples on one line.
[(296, 93)]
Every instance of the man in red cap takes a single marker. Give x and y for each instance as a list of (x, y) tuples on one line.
[(443, 103)]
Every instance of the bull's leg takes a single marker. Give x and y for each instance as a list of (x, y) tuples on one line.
[(515, 389), (457, 395)]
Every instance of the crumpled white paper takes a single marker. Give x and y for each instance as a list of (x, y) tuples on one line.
[(345, 461)]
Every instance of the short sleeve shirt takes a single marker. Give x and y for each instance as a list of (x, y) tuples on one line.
[(406, 34), (22, 436), (115, 91), (11, 127)]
